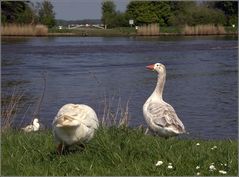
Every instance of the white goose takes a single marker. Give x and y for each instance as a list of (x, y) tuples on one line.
[(74, 124), (159, 115)]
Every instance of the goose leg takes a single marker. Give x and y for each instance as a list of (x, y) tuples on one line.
[(146, 131), (60, 148)]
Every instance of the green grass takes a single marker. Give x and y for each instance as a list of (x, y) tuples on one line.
[(170, 29), (115, 151), (121, 31)]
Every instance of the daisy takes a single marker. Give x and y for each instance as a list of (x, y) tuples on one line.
[(159, 163), (214, 147), (222, 172), (212, 167), (170, 166)]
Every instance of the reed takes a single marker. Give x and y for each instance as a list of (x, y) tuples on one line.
[(148, 30), (9, 109), (203, 30), (24, 30), (114, 112)]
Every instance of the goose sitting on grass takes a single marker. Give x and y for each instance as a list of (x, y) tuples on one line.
[(34, 126), (159, 115), (74, 124)]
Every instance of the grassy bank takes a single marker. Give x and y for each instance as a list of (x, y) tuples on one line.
[(122, 31), (146, 30), (116, 151)]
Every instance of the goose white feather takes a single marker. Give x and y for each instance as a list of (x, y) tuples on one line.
[(74, 123), (35, 126), (159, 115)]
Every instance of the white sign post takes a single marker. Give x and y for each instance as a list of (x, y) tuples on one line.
[(131, 22)]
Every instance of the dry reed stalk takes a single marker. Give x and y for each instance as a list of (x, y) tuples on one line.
[(38, 107), (24, 30), (112, 116), (9, 109), (125, 117), (203, 30), (41, 30), (118, 116), (149, 30)]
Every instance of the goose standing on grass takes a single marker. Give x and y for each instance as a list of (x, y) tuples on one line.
[(33, 127), (74, 124), (159, 115)]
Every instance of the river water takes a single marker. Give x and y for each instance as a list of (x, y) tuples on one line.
[(201, 79)]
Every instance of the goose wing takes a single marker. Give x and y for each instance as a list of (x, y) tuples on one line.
[(164, 115)]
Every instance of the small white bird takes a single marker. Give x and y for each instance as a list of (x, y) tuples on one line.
[(159, 115), (74, 124), (35, 126)]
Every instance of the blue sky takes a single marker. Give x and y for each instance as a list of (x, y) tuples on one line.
[(82, 9)]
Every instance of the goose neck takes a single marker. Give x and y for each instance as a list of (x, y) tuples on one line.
[(160, 85)]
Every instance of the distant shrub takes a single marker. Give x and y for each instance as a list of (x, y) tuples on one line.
[(198, 15)]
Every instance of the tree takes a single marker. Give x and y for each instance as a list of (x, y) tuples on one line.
[(16, 12), (46, 14), (108, 13), (181, 12), (191, 13), (146, 12), (230, 9), (121, 20)]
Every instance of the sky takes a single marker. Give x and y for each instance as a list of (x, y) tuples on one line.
[(82, 9)]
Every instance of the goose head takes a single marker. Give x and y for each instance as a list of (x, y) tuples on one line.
[(158, 67), (36, 124), (35, 121)]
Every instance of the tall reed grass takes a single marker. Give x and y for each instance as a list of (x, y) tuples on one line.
[(203, 30), (149, 30), (24, 30), (9, 108), (114, 113)]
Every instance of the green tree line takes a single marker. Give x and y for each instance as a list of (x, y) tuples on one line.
[(26, 12), (171, 13)]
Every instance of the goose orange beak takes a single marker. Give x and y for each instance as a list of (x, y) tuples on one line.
[(150, 67)]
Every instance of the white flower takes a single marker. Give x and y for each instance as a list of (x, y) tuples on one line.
[(225, 164), (197, 167), (159, 163), (170, 166), (198, 173), (214, 147), (169, 163), (222, 172), (197, 144), (212, 167)]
